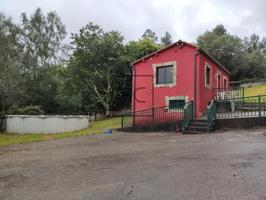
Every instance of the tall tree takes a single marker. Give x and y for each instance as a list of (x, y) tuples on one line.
[(149, 34), (98, 62), (167, 39), (226, 48), (42, 40), (11, 89), (244, 58)]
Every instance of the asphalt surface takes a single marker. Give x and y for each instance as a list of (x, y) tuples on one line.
[(155, 166)]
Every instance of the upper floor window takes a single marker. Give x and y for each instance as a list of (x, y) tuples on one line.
[(164, 75), (208, 78), (225, 83)]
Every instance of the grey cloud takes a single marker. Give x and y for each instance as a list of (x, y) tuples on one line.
[(183, 19)]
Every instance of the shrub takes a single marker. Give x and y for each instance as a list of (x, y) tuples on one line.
[(30, 110)]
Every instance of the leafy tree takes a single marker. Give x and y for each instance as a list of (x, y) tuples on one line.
[(42, 40), (69, 96), (43, 50), (11, 89), (229, 50), (246, 59), (98, 65), (149, 34), (45, 89), (167, 39), (140, 48)]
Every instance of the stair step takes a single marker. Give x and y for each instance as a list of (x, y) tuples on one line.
[(199, 124), (196, 128), (199, 120), (193, 132)]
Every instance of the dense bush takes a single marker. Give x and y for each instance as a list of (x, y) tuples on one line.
[(29, 110)]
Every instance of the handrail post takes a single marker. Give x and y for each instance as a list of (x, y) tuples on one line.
[(259, 106)]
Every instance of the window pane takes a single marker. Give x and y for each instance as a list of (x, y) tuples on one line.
[(225, 84), (169, 74), (164, 75), (219, 81), (160, 75), (208, 73), (176, 104)]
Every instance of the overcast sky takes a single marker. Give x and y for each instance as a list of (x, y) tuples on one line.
[(183, 19)]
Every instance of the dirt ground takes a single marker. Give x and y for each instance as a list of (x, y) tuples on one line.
[(155, 166)]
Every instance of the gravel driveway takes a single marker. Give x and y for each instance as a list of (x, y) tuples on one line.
[(155, 166)]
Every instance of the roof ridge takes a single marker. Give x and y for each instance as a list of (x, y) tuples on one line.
[(198, 48)]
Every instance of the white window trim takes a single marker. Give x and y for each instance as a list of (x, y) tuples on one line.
[(209, 86), (168, 98), (155, 66)]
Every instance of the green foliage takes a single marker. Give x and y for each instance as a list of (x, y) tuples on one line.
[(149, 34), (43, 90), (42, 38), (244, 58), (11, 82), (29, 110), (167, 39), (140, 48), (98, 65)]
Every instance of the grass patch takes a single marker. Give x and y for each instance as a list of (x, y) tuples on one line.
[(94, 127)]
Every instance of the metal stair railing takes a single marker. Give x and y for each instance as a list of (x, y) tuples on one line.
[(188, 115), (211, 114)]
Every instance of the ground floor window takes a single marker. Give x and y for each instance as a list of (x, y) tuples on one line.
[(176, 104)]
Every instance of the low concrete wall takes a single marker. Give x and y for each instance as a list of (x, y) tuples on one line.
[(159, 127), (45, 123), (245, 122)]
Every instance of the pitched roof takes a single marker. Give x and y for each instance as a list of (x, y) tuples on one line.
[(198, 48)]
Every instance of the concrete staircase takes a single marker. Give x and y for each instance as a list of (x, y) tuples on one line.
[(198, 126)]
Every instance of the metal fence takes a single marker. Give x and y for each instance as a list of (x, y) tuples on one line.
[(228, 93), (254, 106), (151, 116)]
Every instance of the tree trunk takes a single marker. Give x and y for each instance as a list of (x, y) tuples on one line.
[(107, 113)]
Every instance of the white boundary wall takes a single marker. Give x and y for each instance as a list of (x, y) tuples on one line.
[(45, 123)]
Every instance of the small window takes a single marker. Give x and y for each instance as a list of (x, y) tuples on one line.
[(208, 76), (176, 104), (219, 81), (164, 75), (225, 83)]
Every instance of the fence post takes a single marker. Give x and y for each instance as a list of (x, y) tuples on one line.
[(122, 119), (259, 106)]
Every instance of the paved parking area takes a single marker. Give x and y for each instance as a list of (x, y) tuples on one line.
[(154, 166)]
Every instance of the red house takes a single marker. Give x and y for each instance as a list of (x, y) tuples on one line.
[(166, 79)]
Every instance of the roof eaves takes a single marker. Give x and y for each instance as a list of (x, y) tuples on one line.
[(189, 44), (153, 53)]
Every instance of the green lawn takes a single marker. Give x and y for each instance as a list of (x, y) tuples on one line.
[(95, 127)]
